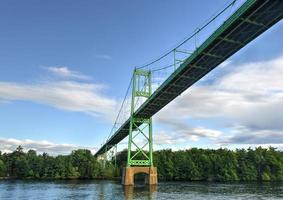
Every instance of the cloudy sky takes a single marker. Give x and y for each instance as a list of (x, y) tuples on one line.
[(65, 67)]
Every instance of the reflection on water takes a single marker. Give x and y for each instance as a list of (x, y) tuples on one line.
[(133, 192), (109, 190)]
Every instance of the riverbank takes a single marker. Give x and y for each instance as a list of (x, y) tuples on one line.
[(66, 179), (118, 179)]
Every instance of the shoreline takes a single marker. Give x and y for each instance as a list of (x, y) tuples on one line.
[(119, 178)]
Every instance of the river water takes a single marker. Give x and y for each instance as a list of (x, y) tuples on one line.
[(43, 190)]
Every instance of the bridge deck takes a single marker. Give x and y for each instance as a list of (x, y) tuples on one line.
[(248, 22)]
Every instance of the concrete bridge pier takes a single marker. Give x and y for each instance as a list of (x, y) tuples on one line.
[(128, 175)]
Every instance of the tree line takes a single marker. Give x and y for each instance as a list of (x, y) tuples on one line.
[(194, 164), (220, 165), (80, 164)]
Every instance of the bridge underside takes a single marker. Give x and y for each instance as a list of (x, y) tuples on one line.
[(249, 21)]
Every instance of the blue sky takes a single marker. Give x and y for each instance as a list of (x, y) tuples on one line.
[(65, 66)]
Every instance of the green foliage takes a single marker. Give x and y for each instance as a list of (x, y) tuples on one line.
[(2, 168), (79, 164), (216, 165), (220, 165), (187, 165)]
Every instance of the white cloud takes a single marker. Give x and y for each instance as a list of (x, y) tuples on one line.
[(63, 93), (243, 135), (65, 72), (249, 95), (10, 144), (163, 137), (259, 77), (179, 136), (204, 132), (66, 95)]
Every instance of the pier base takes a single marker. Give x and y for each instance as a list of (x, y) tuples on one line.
[(129, 175)]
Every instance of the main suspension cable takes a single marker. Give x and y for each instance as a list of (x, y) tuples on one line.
[(190, 37)]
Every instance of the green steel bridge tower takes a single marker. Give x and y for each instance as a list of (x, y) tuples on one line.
[(140, 126)]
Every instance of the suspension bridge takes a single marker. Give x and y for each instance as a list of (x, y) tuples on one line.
[(159, 82)]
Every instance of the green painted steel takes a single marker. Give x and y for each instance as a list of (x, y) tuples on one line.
[(141, 88), (248, 22)]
